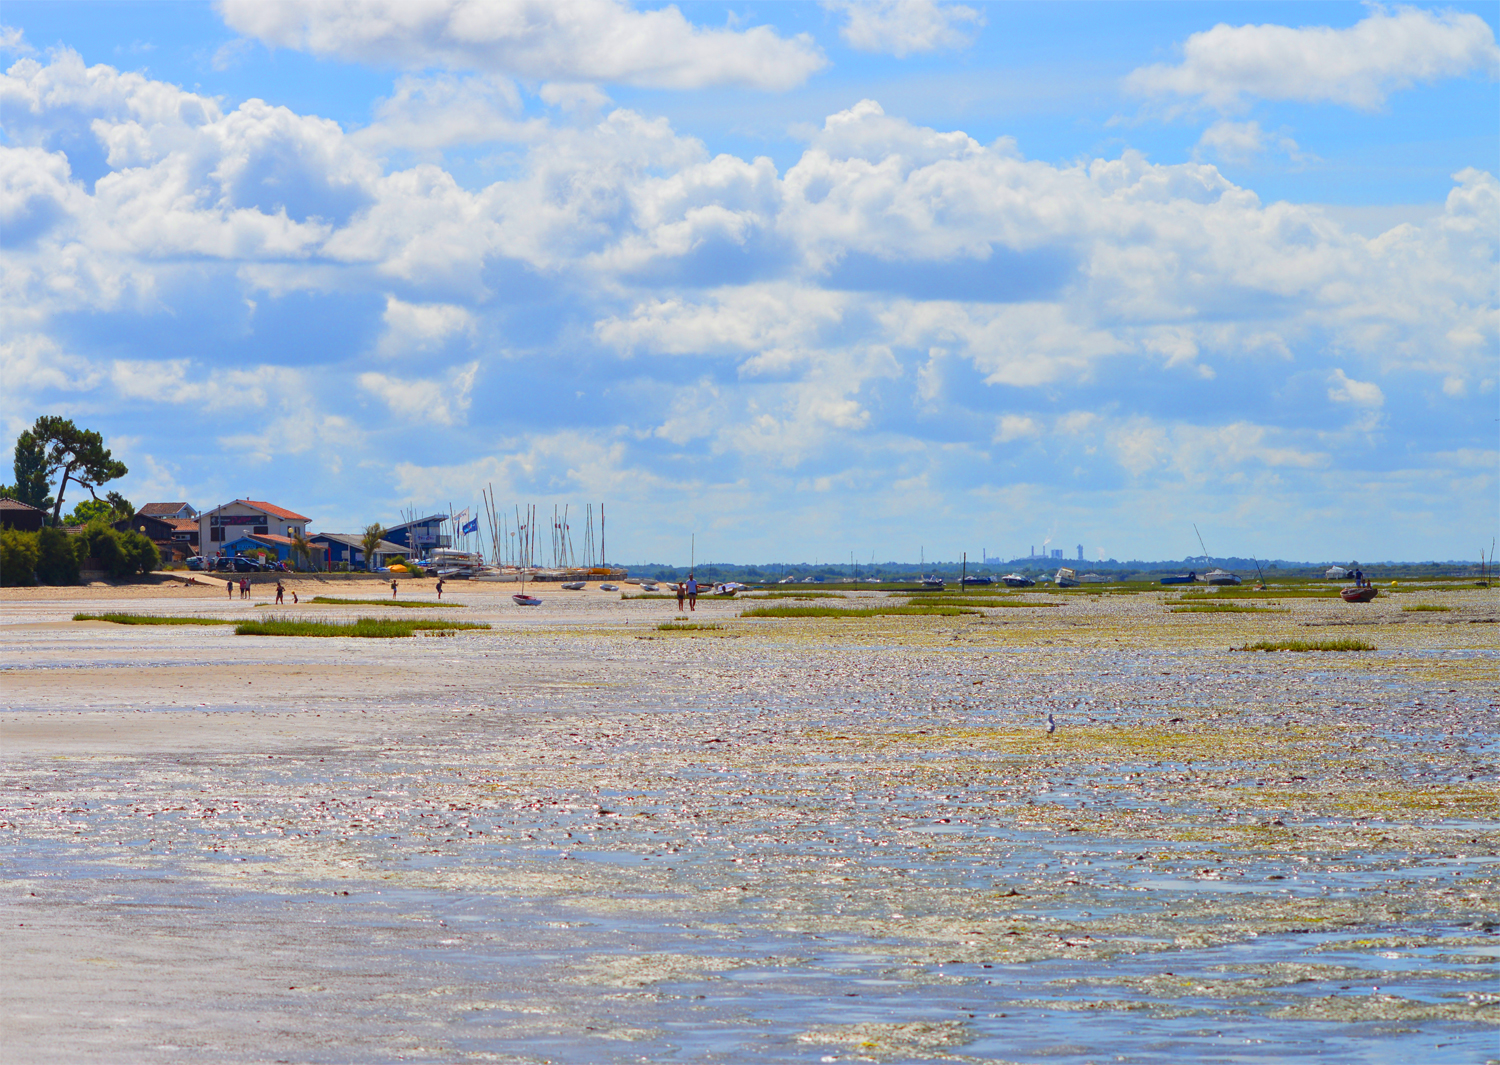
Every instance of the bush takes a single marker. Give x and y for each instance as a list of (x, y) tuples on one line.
[(17, 558), (55, 561), (141, 551)]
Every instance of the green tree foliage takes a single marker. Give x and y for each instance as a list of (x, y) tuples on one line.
[(32, 479), (55, 561), (371, 543), (301, 548), (123, 507), (119, 554), (17, 558), (76, 454), (90, 511)]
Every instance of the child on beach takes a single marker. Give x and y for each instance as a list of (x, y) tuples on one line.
[(681, 591), (440, 587), (229, 587), (393, 587)]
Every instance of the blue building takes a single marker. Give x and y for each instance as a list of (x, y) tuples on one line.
[(338, 550), (421, 536), (280, 546)]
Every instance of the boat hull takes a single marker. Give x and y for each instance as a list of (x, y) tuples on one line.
[(1358, 595), (1017, 581), (526, 600)]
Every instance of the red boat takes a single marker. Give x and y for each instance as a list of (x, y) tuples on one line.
[(526, 600), (1358, 594)]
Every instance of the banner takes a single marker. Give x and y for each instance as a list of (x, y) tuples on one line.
[(470, 527)]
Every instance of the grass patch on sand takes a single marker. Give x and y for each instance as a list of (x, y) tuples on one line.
[(914, 610), (1218, 608), (687, 626), (1310, 645), (1418, 607), (800, 595), (1271, 591), (366, 628), (151, 619), (987, 602), (332, 600)]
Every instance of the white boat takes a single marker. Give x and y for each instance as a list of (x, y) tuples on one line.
[(933, 582), (526, 600), (1015, 580), (1065, 578), (609, 587), (1221, 577), (633, 580), (729, 588), (573, 586)]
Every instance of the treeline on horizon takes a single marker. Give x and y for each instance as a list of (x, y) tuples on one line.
[(766, 572)]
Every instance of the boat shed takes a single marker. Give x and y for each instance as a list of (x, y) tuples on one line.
[(420, 536)]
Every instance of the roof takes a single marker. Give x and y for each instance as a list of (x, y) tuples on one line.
[(355, 540), (272, 538), (16, 504), (185, 524), (160, 510), (418, 521), (269, 508)]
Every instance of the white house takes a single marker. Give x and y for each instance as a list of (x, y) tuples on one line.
[(246, 517)]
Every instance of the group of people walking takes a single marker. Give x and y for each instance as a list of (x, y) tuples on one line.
[(687, 589)]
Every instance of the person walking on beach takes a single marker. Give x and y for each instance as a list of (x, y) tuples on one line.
[(280, 590), (692, 590), (440, 587), (681, 591), (393, 587), (244, 587), (229, 587)]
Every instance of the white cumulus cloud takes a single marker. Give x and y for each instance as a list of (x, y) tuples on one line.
[(1345, 389), (578, 41), (1388, 50), (901, 27)]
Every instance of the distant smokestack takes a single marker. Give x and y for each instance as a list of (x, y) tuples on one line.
[(1080, 552)]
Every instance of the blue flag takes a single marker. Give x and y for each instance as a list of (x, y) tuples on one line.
[(470, 526)]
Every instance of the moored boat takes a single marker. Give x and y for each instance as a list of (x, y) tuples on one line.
[(977, 580), (609, 587), (1181, 578), (932, 582), (1015, 580), (1066, 578), (526, 600), (573, 586), (1221, 577), (1358, 593)]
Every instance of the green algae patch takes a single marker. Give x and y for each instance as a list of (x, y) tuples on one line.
[(883, 1041), (1219, 608), (362, 628), (151, 619), (1417, 608), (1346, 644), (688, 626)]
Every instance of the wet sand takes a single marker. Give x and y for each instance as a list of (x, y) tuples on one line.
[(578, 838)]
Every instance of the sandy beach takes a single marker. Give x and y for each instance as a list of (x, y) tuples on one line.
[(578, 837)]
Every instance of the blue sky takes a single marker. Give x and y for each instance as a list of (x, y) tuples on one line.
[(800, 279)]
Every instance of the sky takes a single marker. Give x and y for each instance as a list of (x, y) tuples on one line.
[(782, 282)]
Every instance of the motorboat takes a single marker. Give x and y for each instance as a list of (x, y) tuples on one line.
[(573, 586), (1222, 577), (932, 582), (788, 580), (526, 600), (978, 580), (729, 588), (1066, 578), (1181, 578), (1356, 593), (1015, 580)]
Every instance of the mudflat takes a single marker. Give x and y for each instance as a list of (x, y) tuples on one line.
[(578, 837)]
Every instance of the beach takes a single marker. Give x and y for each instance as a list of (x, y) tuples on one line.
[(577, 837)]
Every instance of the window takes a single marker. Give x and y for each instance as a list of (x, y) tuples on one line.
[(261, 529), (216, 534)]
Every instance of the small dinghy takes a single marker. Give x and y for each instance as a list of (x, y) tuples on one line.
[(526, 600), (1358, 594), (1015, 580), (609, 587), (574, 586)]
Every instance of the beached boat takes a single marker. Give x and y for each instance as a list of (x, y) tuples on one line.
[(526, 600), (1358, 594), (1181, 578), (729, 588), (1015, 580), (573, 586), (1222, 577), (609, 587), (932, 582), (1065, 578), (977, 580)]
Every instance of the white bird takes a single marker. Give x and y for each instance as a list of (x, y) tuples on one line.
[(1051, 725)]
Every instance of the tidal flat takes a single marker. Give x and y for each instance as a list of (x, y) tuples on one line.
[(576, 837)]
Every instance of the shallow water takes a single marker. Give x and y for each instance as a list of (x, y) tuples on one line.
[(560, 841)]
